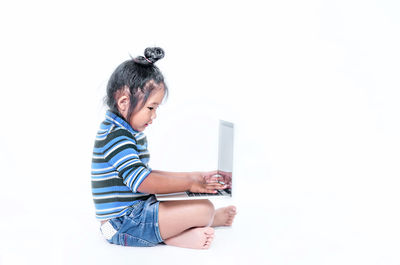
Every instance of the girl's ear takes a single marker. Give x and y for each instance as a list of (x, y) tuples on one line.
[(123, 101)]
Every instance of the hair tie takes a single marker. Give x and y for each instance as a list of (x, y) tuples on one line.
[(135, 59), (147, 59)]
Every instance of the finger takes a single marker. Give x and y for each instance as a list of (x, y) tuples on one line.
[(228, 178), (209, 191), (214, 179), (217, 187), (214, 189), (216, 184)]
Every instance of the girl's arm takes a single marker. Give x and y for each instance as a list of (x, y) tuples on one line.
[(172, 174), (160, 182)]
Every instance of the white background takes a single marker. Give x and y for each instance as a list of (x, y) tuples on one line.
[(312, 86)]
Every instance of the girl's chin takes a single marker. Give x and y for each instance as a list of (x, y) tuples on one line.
[(141, 129)]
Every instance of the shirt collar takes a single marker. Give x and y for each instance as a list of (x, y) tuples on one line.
[(117, 120)]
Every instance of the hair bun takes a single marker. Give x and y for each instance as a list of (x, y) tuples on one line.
[(151, 55), (154, 54)]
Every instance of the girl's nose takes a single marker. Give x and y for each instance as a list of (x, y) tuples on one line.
[(154, 115)]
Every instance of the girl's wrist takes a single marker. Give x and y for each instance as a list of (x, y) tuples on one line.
[(194, 179)]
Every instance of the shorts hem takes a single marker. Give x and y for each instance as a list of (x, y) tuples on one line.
[(156, 224)]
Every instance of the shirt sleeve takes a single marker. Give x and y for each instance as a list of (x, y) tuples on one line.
[(124, 157)]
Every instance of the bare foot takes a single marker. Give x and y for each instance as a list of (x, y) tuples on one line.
[(198, 238), (224, 216)]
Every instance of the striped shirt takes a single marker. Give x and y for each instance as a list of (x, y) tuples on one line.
[(119, 166)]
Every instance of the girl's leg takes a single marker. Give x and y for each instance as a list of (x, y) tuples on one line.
[(185, 223)]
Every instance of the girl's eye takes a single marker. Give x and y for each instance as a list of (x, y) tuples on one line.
[(150, 108)]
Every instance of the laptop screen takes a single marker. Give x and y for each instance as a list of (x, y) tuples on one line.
[(225, 150)]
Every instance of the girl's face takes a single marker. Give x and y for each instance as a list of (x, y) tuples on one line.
[(143, 117)]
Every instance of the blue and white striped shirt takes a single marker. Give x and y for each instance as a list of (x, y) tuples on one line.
[(119, 166)]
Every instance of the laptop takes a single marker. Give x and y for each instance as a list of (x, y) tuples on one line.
[(224, 171)]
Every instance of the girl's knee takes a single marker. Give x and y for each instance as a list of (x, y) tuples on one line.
[(207, 209)]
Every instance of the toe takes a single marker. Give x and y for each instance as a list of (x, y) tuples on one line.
[(207, 244), (209, 231)]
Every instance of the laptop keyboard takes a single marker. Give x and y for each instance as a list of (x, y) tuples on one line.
[(219, 193)]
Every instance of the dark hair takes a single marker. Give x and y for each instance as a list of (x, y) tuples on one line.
[(140, 75)]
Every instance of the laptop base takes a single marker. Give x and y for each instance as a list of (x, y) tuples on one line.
[(193, 196)]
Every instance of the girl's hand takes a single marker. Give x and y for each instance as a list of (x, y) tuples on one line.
[(222, 177), (225, 178), (206, 182)]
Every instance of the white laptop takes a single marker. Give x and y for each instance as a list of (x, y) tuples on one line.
[(225, 168)]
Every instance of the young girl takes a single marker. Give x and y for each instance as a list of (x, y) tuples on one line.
[(122, 182)]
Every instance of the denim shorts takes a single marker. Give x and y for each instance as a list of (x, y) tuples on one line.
[(137, 228)]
